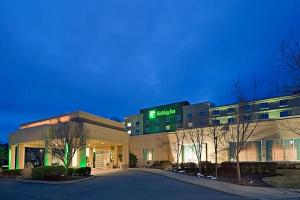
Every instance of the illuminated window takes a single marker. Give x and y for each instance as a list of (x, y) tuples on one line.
[(283, 103), (129, 132), (168, 127), (128, 124), (284, 113), (147, 154), (190, 124)]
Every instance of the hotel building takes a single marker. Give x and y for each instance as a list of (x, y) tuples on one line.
[(108, 143)]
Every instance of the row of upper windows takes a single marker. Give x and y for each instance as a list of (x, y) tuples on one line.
[(248, 108), (249, 118)]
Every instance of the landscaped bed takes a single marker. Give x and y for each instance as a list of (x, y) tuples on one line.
[(48, 173), (261, 174)]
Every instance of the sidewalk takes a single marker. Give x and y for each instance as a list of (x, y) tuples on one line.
[(246, 191)]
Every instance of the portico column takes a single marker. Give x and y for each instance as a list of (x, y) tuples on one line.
[(48, 157), (82, 156), (21, 156), (125, 155), (12, 157)]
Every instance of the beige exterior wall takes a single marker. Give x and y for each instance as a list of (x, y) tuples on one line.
[(106, 132), (272, 129)]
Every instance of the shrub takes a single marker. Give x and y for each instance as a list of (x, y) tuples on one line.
[(132, 160), (164, 164), (12, 172), (83, 171), (48, 172)]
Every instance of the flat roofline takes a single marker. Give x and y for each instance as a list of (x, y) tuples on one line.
[(259, 100), (77, 114), (180, 102)]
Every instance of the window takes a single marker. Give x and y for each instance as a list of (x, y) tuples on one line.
[(202, 123), (157, 121), (202, 113), (128, 124), (167, 119), (147, 122), (283, 103), (137, 131), (216, 112), (178, 118), (147, 154), (129, 132), (137, 123), (190, 124), (247, 108), (247, 118), (230, 110), (263, 106), (216, 122), (284, 113), (189, 116), (168, 127), (263, 116), (231, 120)]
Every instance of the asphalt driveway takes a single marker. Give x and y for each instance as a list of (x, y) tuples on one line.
[(119, 185)]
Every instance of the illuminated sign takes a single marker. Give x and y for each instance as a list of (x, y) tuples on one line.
[(153, 113)]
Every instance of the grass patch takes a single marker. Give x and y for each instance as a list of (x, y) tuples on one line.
[(288, 178)]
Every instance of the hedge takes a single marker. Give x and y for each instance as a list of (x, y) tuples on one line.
[(83, 171), (12, 172), (48, 172)]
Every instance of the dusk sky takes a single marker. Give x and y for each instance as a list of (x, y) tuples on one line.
[(113, 58)]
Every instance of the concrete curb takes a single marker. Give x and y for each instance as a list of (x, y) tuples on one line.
[(239, 190), (50, 182)]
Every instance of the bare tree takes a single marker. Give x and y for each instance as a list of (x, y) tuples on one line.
[(180, 136), (245, 124), (289, 60), (63, 140), (196, 137), (217, 134), (290, 125)]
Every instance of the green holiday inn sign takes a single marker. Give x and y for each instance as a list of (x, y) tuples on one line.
[(161, 113)]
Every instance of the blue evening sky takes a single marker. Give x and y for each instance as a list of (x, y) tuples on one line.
[(112, 58)]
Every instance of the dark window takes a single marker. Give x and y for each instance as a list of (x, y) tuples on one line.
[(216, 122), (189, 115), (137, 123), (137, 131), (231, 120), (283, 103), (202, 113), (230, 110), (216, 112), (247, 108), (284, 113), (264, 105), (147, 122), (263, 116), (157, 121), (247, 118), (167, 119), (178, 118)]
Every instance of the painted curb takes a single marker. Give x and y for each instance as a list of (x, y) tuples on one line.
[(50, 182), (296, 193)]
